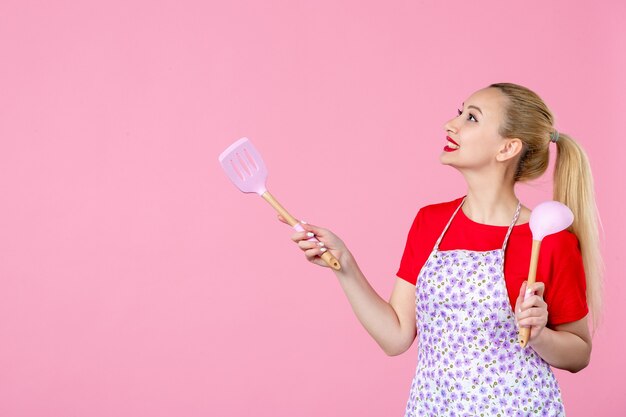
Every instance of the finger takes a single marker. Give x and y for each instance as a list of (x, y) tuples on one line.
[(282, 219), (531, 312), (319, 231), (533, 301), (312, 253), (538, 288), (302, 226), (308, 244), (520, 298), (533, 322), (298, 236)]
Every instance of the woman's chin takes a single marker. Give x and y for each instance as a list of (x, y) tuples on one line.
[(444, 158)]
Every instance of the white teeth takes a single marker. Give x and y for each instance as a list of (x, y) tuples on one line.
[(452, 145)]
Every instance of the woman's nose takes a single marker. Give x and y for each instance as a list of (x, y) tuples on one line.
[(449, 126)]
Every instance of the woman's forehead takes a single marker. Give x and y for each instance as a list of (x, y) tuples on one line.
[(489, 100)]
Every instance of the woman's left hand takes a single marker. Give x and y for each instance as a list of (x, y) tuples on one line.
[(532, 311)]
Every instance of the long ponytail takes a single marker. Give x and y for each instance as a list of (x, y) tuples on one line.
[(573, 186)]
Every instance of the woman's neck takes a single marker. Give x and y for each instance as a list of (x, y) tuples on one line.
[(490, 200)]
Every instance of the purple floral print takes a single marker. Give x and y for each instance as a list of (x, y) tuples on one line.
[(469, 361)]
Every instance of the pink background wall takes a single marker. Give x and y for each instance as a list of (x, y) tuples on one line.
[(135, 280)]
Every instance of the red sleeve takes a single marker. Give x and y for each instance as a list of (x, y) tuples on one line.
[(426, 228), (561, 262), (408, 266)]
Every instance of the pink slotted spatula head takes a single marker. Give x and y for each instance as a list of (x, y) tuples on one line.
[(244, 166)]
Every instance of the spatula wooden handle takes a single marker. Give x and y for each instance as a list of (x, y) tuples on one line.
[(326, 256), (524, 332)]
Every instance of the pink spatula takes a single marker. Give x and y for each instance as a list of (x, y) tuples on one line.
[(245, 168), (546, 219)]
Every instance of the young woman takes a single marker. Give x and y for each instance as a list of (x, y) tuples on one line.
[(465, 262)]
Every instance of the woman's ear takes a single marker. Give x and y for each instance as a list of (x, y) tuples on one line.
[(510, 149)]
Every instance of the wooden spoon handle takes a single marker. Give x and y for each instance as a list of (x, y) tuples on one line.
[(524, 332), (326, 256)]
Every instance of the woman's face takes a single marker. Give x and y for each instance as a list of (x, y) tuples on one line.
[(474, 131)]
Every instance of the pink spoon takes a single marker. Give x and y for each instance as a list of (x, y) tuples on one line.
[(546, 219)]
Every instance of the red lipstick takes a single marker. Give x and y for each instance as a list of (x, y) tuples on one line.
[(447, 148), (450, 139)]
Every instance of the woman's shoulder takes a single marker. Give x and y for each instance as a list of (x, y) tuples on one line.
[(563, 241), (445, 208)]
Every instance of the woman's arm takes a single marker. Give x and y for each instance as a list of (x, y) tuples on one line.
[(566, 346), (391, 324)]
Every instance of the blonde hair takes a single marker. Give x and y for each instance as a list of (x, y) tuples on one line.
[(529, 119)]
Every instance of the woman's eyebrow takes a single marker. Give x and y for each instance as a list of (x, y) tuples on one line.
[(473, 107)]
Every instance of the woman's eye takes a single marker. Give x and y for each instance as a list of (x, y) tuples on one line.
[(470, 116)]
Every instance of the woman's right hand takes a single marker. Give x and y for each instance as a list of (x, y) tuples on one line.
[(313, 250)]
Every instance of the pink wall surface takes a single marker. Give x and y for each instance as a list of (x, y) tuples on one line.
[(135, 280)]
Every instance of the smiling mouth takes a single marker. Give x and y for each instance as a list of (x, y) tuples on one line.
[(451, 146)]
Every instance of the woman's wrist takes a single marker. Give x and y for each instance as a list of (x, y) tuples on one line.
[(542, 340), (347, 262)]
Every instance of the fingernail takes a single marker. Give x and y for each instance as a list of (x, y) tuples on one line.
[(529, 291), (302, 221), (309, 234), (323, 249), (320, 243)]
